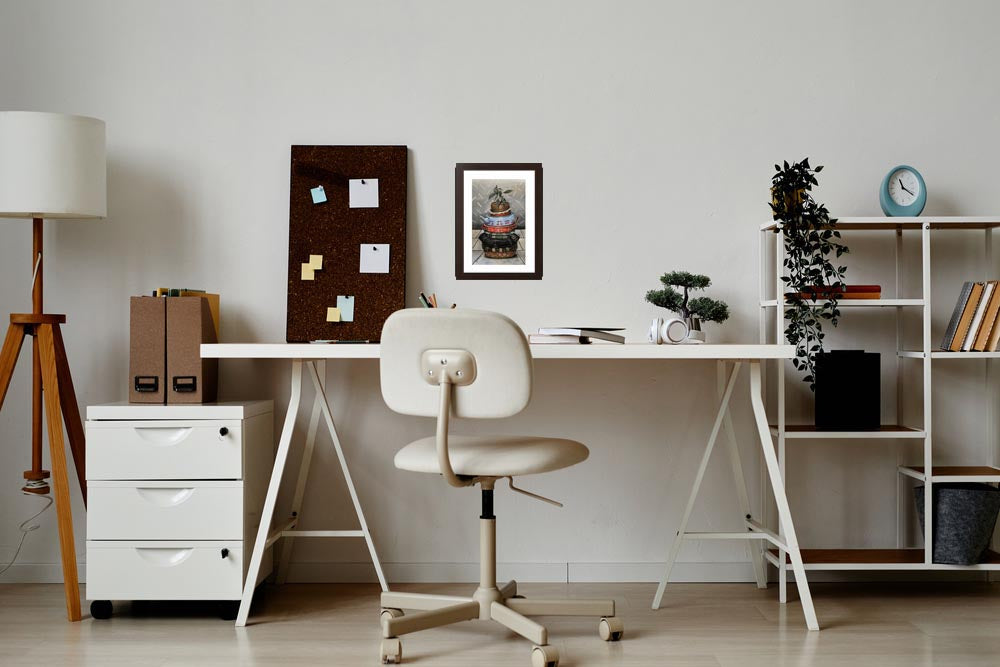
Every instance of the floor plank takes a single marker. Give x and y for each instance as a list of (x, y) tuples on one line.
[(700, 625)]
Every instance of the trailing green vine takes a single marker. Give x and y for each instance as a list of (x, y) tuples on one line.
[(812, 282)]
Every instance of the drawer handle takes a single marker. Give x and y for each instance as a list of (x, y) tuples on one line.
[(162, 497), (163, 436), (164, 556)]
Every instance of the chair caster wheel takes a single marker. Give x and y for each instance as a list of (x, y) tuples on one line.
[(391, 651), (101, 609), (611, 628), (387, 613), (545, 656)]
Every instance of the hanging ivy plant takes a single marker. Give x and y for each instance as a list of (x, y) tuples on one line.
[(812, 282)]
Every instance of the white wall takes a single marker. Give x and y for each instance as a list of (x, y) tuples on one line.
[(657, 124)]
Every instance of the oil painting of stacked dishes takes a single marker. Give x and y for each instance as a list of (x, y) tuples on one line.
[(498, 221)]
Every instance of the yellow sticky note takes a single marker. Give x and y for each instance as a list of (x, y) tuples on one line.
[(310, 268), (333, 314)]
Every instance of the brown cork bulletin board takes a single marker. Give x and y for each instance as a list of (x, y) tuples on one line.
[(330, 242)]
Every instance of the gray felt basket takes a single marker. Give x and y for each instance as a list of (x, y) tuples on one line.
[(965, 514)]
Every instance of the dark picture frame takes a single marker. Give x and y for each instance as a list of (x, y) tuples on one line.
[(501, 240)]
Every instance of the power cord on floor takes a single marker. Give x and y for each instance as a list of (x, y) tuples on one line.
[(27, 526)]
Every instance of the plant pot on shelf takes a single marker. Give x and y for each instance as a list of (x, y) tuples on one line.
[(965, 514), (848, 390)]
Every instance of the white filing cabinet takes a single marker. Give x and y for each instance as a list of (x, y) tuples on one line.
[(174, 500)]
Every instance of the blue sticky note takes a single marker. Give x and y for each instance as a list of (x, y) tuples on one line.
[(318, 194), (346, 306)]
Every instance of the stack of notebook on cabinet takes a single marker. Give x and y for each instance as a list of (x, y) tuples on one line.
[(973, 326), (575, 335)]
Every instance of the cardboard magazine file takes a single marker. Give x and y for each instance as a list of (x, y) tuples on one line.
[(147, 365), (190, 379)]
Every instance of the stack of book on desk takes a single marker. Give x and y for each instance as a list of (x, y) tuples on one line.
[(847, 292), (575, 335), (973, 326)]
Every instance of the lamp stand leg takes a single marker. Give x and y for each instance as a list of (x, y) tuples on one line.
[(57, 452)]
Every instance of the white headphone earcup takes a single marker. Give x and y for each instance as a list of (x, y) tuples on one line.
[(674, 331), (654, 331)]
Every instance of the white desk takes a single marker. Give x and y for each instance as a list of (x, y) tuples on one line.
[(314, 357)]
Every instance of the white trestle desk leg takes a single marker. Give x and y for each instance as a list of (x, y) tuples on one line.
[(325, 407), (780, 499), (679, 538), (753, 549), (285, 557), (267, 514)]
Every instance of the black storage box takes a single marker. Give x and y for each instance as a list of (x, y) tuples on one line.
[(848, 391)]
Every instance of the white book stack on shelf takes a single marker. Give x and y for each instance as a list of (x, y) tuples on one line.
[(575, 335)]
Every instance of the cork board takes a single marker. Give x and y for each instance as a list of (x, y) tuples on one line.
[(322, 223)]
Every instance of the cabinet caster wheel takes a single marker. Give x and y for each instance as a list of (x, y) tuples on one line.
[(545, 656), (101, 609), (392, 651), (228, 609), (611, 628)]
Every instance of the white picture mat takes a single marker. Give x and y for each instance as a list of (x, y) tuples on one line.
[(528, 176)]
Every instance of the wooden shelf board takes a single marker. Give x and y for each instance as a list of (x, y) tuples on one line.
[(886, 431), (858, 303), (955, 473), (879, 559), (946, 354), (935, 222)]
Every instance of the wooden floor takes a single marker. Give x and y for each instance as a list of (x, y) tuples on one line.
[(727, 625)]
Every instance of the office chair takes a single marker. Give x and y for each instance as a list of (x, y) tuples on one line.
[(467, 363)]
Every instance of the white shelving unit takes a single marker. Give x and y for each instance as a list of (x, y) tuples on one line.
[(903, 557)]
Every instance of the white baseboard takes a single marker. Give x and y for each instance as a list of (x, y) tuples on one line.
[(363, 572), (39, 573)]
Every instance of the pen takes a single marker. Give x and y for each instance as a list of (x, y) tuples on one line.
[(434, 300), (424, 301)]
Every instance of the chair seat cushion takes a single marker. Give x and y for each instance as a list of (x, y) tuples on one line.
[(493, 456)]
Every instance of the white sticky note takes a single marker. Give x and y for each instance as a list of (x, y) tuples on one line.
[(364, 192), (345, 304), (374, 258), (318, 194)]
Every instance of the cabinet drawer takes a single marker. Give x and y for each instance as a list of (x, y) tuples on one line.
[(156, 510), (164, 570), (164, 450)]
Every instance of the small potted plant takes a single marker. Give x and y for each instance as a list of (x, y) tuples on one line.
[(693, 311), (499, 203)]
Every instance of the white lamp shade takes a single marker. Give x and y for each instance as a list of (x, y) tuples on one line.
[(52, 166)]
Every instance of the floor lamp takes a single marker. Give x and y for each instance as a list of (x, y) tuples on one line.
[(51, 166)]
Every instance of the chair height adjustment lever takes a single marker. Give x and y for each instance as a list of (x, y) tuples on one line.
[(510, 482)]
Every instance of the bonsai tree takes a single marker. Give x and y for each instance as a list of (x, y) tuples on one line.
[(702, 307), (499, 202), (812, 283)]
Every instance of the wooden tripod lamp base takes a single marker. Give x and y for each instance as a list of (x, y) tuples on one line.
[(60, 406)]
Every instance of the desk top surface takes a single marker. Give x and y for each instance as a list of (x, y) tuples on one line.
[(544, 351)]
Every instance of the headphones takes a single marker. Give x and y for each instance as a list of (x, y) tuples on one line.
[(674, 331)]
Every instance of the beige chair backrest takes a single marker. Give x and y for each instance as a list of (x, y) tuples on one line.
[(502, 385)]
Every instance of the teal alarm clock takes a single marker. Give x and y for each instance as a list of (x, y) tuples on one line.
[(903, 192)]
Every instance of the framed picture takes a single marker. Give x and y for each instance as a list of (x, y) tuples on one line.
[(498, 221)]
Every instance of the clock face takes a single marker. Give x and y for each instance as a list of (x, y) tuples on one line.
[(904, 187)]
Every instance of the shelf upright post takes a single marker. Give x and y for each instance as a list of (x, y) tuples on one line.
[(925, 245), (779, 337), (899, 446)]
